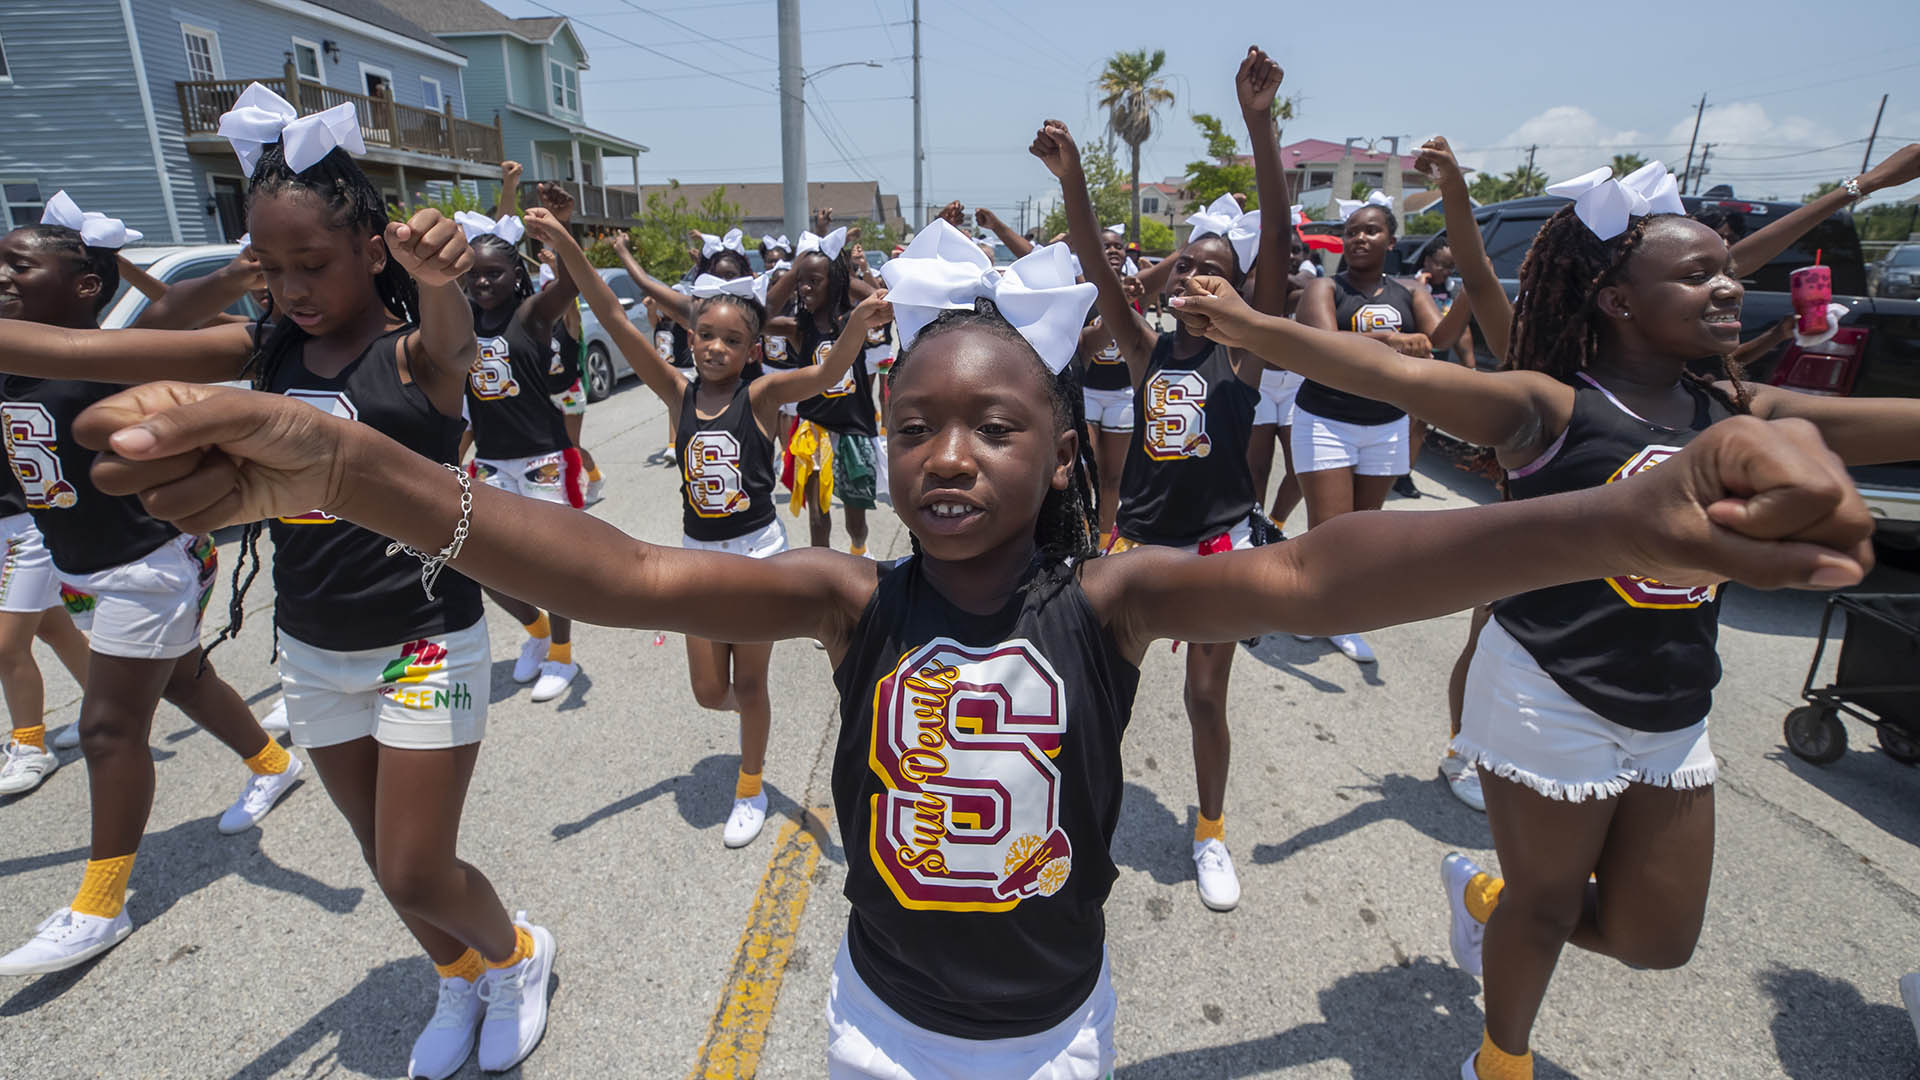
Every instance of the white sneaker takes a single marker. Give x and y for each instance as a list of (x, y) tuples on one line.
[(516, 1000), (67, 939), (1305, 637), (596, 487), (258, 797), (275, 722), (447, 1041), (1465, 933), (68, 738), (555, 677), (1354, 646), (745, 821), (1910, 993), (531, 655), (24, 767), (1468, 1069), (1463, 779), (1213, 872)]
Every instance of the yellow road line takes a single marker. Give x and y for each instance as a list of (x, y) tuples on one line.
[(738, 1032)]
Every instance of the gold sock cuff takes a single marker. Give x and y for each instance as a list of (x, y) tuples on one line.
[(468, 966), (31, 736), (539, 627), (522, 948), (747, 786), (103, 888), (1483, 895), (1496, 1064), (1210, 829), (270, 761)]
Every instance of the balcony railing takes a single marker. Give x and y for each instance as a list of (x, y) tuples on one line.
[(619, 206), (383, 122)]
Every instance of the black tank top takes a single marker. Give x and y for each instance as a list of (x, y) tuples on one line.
[(726, 469), (846, 407), (1638, 652), (1390, 308), (778, 351), (1106, 369), (13, 501), (509, 392), (1186, 477), (85, 531), (336, 588), (565, 367), (977, 781)]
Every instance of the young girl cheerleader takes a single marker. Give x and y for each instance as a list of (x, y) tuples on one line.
[(519, 436), (150, 585), (30, 607), (386, 686), (1436, 275), (986, 681), (724, 439), (1586, 703), (1186, 484)]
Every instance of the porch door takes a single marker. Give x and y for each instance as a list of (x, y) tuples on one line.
[(229, 202)]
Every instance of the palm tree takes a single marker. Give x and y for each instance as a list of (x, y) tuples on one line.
[(1626, 163), (1132, 91)]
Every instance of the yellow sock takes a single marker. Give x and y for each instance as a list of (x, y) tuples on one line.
[(1483, 895), (747, 786), (594, 475), (103, 888), (1210, 829), (270, 761), (539, 627), (857, 549), (522, 948), (1496, 1064), (35, 736), (560, 652), (469, 967)]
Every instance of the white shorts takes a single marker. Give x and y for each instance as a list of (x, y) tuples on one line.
[(150, 608), (1238, 538), (28, 582), (543, 477), (573, 400), (1518, 724), (759, 544), (1277, 391), (424, 695), (1367, 449), (1109, 410), (866, 1039)]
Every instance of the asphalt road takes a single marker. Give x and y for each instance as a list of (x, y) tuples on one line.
[(273, 954)]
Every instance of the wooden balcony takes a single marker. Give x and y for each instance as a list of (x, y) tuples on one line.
[(384, 124), (603, 205)]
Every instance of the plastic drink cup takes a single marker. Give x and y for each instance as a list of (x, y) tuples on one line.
[(1812, 291)]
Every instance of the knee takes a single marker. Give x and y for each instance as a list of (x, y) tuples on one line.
[(1206, 701), (1659, 948), (710, 693), (749, 686), (1542, 914), (411, 884)]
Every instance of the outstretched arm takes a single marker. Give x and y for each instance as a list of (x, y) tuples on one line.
[(1056, 149), (1488, 296), (661, 377), (1758, 248), (676, 306), (509, 189), (438, 355), (1863, 431), (990, 221), (188, 305), (545, 305), (1256, 83), (1762, 503), (213, 354)]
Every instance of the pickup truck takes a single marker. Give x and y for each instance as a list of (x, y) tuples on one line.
[(1875, 354)]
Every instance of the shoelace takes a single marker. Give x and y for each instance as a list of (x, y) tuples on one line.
[(1213, 858), (501, 1005), (453, 999), (256, 793), (58, 926)]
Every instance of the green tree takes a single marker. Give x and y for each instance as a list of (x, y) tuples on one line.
[(874, 235), (1222, 172), (453, 202), (1423, 224), (1626, 163), (1106, 186), (660, 239), (1132, 92), (1490, 188), (1527, 180), (1156, 236)]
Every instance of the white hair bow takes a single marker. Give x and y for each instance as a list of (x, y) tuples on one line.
[(1130, 268), (942, 270), (477, 225), (95, 229), (246, 239), (259, 117), (776, 242), (829, 245), (1299, 213), (1223, 218), (544, 277), (1120, 228), (711, 245), (1376, 197), (713, 285), (1606, 205)]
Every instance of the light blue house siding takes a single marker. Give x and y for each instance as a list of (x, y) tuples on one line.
[(72, 116)]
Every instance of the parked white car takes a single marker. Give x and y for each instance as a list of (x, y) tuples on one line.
[(605, 365), (171, 265)]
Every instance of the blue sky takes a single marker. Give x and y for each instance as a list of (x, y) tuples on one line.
[(1791, 93)]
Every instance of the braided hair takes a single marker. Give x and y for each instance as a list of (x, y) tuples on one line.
[(839, 295), (1068, 526), (752, 312), (103, 263), (522, 282), (708, 263), (353, 204)]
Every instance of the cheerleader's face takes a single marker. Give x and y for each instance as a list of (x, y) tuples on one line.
[(812, 288), (320, 274), (729, 265), (41, 283), (1676, 294), (1114, 247), (1209, 256), (1297, 256), (722, 344), (974, 444), (490, 282), (1368, 239)]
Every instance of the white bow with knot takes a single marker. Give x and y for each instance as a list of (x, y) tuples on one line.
[(544, 277), (95, 229), (1223, 218), (477, 225), (260, 117), (711, 245), (777, 242), (1605, 205), (714, 285), (943, 270), (1299, 213), (1120, 228), (829, 245), (1350, 207)]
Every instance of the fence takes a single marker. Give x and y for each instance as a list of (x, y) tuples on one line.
[(383, 122)]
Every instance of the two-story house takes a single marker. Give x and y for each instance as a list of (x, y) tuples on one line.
[(119, 101), (528, 71)]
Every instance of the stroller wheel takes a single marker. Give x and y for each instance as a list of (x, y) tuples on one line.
[(1899, 747), (1816, 734)]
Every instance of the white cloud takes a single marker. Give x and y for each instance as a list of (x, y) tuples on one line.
[(1571, 140)]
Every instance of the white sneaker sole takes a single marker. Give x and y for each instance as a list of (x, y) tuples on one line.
[(1215, 905), (17, 787), (47, 967), (544, 945), (743, 841), (294, 768), (1457, 914)]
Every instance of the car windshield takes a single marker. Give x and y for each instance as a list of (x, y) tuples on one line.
[(1908, 255)]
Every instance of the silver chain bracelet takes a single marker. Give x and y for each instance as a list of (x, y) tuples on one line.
[(1851, 185), (431, 565)]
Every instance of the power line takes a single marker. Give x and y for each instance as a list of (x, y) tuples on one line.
[(733, 105), (699, 33), (763, 37), (648, 48)]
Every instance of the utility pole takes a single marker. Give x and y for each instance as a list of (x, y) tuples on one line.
[(919, 201), (1527, 185), (1867, 158), (793, 120), (1702, 108), (1706, 151)]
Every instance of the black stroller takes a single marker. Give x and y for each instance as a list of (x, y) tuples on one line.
[(1878, 680)]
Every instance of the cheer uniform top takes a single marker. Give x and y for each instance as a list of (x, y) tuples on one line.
[(726, 469), (85, 531), (977, 779), (1105, 369), (670, 341), (566, 355), (509, 393), (13, 501), (335, 588), (1186, 477), (1634, 650), (1389, 308), (846, 407)]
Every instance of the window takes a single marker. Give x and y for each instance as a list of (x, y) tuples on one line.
[(379, 81), (306, 61), (1507, 244), (625, 289), (565, 89), (203, 53), (1149, 205), (6, 73), (442, 191), (430, 92), (21, 202)]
